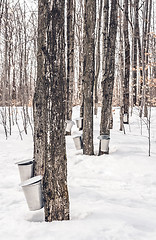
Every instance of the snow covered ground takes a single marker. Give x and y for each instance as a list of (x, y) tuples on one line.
[(112, 197)]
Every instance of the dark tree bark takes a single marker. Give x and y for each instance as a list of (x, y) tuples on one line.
[(140, 60), (39, 102), (88, 74), (79, 16), (5, 79), (1, 11), (55, 179), (121, 64), (109, 69), (127, 61), (135, 38), (97, 58), (105, 116), (70, 58), (53, 78)]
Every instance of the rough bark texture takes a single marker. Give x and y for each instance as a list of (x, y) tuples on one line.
[(135, 36), (145, 47), (97, 57), (140, 59), (104, 129), (121, 62), (55, 179), (80, 29), (147, 56), (88, 75), (109, 68), (5, 78), (55, 174), (127, 61), (39, 104), (70, 58)]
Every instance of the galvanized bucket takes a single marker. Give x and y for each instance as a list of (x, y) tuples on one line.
[(69, 125), (125, 118), (78, 142), (104, 142), (25, 169), (79, 123), (33, 193)]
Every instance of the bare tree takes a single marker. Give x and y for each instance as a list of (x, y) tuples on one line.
[(135, 49), (39, 102), (109, 66), (70, 58), (97, 54), (88, 74), (127, 62), (52, 55)]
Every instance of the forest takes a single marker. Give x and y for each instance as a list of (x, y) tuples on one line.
[(67, 68)]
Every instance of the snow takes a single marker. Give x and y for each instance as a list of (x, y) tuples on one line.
[(112, 197)]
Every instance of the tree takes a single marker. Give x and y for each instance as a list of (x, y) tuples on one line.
[(134, 45), (88, 74), (70, 58), (145, 53), (97, 55), (121, 70), (39, 100), (79, 28), (103, 124), (51, 15), (109, 66), (127, 61)]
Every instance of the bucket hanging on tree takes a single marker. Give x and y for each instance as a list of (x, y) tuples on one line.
[(104, 143), (25, 169), (32, 189)]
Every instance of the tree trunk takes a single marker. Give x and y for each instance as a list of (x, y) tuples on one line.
[(5, 79), (147, 56), (70, 58), (55, 177), (145, 44), (109, 68), (121, 64), (88, 74), (127, 62), (103, 124), (39, 105), (135, 36), (97, 58), (81, 58)]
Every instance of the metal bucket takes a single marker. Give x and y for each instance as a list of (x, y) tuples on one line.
[(78, 142), (79, 123), (33, 193), (125, 118), (104, 142), (25, 169), (69, 125)]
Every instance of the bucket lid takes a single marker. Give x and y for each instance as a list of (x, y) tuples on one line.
[(107, 137), (31, 181), (77, 137), (79, 118), (26, 161)]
